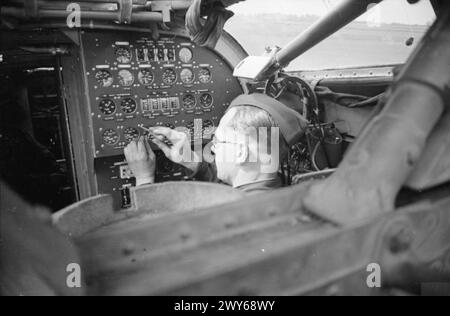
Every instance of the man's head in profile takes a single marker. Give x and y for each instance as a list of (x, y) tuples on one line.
[(248, 144)]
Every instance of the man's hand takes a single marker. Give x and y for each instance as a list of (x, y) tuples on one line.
[(142, 161), (180, 152)]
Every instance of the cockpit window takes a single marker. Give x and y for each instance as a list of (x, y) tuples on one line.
[(387, 34)]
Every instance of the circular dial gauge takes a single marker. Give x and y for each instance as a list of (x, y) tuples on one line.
[(124, 55), (206, 100), (189, 102), (131, 134), (169, 76), (187, 76), (126, 78), (204, 75), (107, 107), (104, 78), (128, 105), (146, 77), (185, 55), (110, 137)]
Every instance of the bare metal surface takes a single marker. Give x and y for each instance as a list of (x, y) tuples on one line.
[(151, 201), (242, 249), (182, 196), (82, 217)]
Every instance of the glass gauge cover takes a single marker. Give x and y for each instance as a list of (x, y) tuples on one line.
[(185, 55), (128, 105), (104, 78), (206, 100), (169, 77), (124, 55), (189, 102), (110, 137), (131, 134), (126, 78), (204, 75), (187, 75), (146, 77), (107, 107)]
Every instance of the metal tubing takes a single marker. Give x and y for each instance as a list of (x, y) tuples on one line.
[(342, 15), (378, 164)]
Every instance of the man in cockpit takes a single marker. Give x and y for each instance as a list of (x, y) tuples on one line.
[(251, 140)]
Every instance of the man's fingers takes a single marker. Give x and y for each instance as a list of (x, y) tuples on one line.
[(170, 134), (149, 149), (140, 145), (159, 137), (128, 149)]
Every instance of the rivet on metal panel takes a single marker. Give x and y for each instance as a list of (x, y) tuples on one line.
[(333, 290), (229, 224), (246, 292), (185, 235), (128, 250)]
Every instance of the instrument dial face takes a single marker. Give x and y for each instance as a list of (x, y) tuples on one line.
[(204, 75), (124, 55), (128, 106), (104, 78), (206, 100), (110, 137), (189, 102), (146, 77), (131, 134), (169, 77), (126, 78), (187, 75), (107, 107), (185, 55)]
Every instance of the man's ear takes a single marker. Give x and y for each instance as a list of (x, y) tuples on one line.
[(242, 154)]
